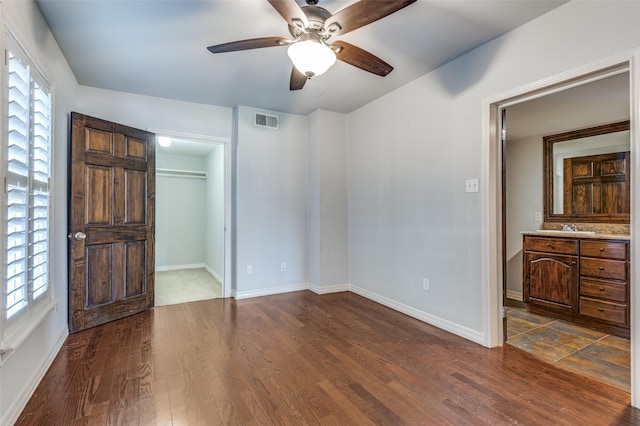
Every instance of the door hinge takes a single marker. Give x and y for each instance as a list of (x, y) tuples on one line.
[(504, 312)]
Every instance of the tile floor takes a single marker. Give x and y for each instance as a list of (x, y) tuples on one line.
[(601, 356), (185, 285)]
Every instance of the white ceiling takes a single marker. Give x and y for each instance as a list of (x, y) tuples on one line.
[(158, 48)]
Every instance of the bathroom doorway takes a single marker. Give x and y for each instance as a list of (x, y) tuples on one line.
[(600, 355), (190, 220), (493, 276)]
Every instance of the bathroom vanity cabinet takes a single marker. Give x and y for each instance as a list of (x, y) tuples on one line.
[(582, 280)]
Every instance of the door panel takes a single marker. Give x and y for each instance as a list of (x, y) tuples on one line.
[(99, 259), (98, 141), (99, 194), (135, 266), (136, 148), (111, 270), (135, 190)]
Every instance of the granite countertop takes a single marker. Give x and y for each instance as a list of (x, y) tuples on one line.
[(579, 234)]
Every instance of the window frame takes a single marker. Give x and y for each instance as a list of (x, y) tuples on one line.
[(14, 331)]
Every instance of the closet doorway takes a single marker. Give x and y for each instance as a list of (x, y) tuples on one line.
[(190, 220)]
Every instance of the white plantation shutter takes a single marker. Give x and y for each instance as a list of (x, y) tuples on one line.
[(41, 172), (27, 193), (17, 182)]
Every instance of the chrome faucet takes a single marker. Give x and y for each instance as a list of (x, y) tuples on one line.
[(568, 228)]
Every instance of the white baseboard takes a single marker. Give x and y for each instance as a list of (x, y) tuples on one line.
[(269, 291), (13, 412), (464, 332), (178, 267), (514, 295), (451, 327), (216, 275), (326, 289)]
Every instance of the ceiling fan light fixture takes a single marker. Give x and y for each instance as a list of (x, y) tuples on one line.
[(311, 57)]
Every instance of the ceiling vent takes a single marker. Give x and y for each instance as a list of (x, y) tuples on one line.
[(265, 120)]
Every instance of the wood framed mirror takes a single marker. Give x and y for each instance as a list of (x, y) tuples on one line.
[(587, 175)]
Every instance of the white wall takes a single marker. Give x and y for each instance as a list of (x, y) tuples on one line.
[(271, 200), (214, 224), (523, 198), (328, 257), (411, 151), (156, 114), (21, 372), (180, 214)]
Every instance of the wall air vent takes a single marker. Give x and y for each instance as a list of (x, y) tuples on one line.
[(265, 120)]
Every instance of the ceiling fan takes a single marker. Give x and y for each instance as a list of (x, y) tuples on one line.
[(311, 27)]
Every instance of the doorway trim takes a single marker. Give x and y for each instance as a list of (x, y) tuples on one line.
[(229, 250), (491, 204)]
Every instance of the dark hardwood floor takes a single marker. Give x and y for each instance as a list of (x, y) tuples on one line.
[(300, 358)]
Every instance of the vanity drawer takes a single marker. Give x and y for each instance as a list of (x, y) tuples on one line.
[(599, 268), (607, 311), (604, 249), (599, 289), (550, 245)]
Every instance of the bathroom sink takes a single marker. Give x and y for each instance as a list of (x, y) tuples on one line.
[(560, 232)]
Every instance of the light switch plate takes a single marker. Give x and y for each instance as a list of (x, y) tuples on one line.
[(471, 185)]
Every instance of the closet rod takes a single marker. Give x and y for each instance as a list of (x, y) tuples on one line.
[(187, 174)]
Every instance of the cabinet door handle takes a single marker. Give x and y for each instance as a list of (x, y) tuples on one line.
[(601, 268), (573, 262)]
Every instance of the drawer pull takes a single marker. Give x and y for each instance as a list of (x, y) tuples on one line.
[(601, 309), (601, 289), (549, 245), (601, 268), (601, 249)]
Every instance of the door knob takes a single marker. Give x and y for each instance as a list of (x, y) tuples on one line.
[(79, 235)]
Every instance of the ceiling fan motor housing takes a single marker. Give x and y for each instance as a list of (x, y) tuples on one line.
[(316, 16)]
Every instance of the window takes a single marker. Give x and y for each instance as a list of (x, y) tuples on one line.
[(26, 208)]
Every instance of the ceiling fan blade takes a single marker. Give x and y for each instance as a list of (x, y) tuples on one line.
[(353, 55), (363, 13), (252, 43), (297, 79), (291, 12)]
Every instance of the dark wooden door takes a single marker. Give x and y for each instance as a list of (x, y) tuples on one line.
[(597, 184), (112, 210)]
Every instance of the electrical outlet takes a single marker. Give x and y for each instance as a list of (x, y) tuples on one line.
[(249, 269), (283, 267), (425, 284), (537, 216)]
